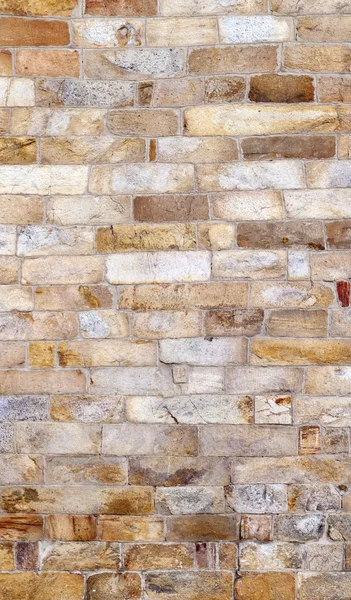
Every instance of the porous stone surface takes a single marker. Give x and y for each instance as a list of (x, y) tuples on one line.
[(175, 318)]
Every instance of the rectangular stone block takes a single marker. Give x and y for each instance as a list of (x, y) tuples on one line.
[(133, 380), (70, 470), (21, 527), (199, 351), (62, 210), (317, 58), (191, 7), (182, 32), (79, 93), (167, 324), (254, 29), (309, 234), (70, 528), (309, 6), (143, 122), (48, 63), (131, 439), (291, 295), (28, 32), (172, 471), (106, 353), (246, 440), (63, 438), (250, 176), (72, 269), (293, 146), (324, 28), (135, 63), (158, 556), (70, 297), (275, 555), (311, 585), (249, 264), (237, 59), (142, 8), (298, 323), (247, 206), (331, 266), (15, 298), (189, 500), (197, 150), (141, 178), (37, 382), (62, 586), (261, 380), (257, 499), (21, 210), (178, 92), (171, 208), (41, 355), (131, 529), (43, 180), (266, 351), (250, 586), (213, 585), (87, 409), (56, 122), (61, 150), (209, 527), (23, 408), (161, 267), (82, 556), (18, 469), (107, 33), (298, 469), (146, 237)]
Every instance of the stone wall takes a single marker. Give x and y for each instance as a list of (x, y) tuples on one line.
[(175, 330)]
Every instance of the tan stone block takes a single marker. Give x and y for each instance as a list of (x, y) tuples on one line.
[(334, 89), (70, 528), (28, 32), (76, 92), (131, 529), (340, 324), (191, 7), (146, 237), (63, 210), (336, 441), (41, 355), (247, 206), (256, 557), (311, 147), (265, 586), (328, 381), (216, 236), (243, 440), (338, 234), (87, 409), (107, 33), (142, 178), (306, 469), (4, 116), (95, 470), (233, 322), (281, 351), (15, 298), (249, 264), (208, 527), (331, 266), (251, 119), (66, 297), (33, 586), (167, 324), (61, 150), (21, 527), (17, 151), (34, 240), (182, 32), (178, 92), (94, 353), (298, 323), (9, 269), (324, 28), (206, 295), (245, 59), (37, 325), (70, 269), (76, 499), (253, 175), (330, 586), (189, 500), (83, 556), (134, 64), (291, 295), (49, 438), (110, 586), (20, 469), (36, 8), (145, 8), (263, 380), (256, 527), (57, 122), (281, 88), (306, 498), (43, 179), (6, 62), (139, 557), (21, 209), (48, 63), (224, 89), (37, 382), (228, 556), (196, 150), (332, 411), (317, 58), (143, 122), (12, 354), (191, 585), (133, 380), (171, 208), (134, 439), (254, 29)]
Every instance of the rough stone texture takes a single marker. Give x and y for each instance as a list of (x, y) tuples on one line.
[(175, 317)]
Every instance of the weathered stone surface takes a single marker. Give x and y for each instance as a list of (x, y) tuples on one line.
[(124, 238), (87, 408), (189, 500), (56, 122), (106, 353), (167, 324), (70, 297), (21, 527), (48, 63), (245, 440), (131, 529), (198, 351), (62, 586), (139, 440), (15, 31), (99, 470), (291, 295), (180, 32), (271, 556), (273, 409), (256, 527), (75, 92), (122, 7), (234, 322), (96, 33), (266, 351), (303, 469), (85, 556), (310, 147), (70, 528), (134, 63), (224, 89), (17, 469), (191, 7), (101, 149), (252, 586), (298, 323), (36, 8), (275, 88), (158, 556), (245, 59), (257, 498), (207, 527), (262, 380), (312, 499), (281, 235), (173, 471), (190, 585), (68, 438), (133, 380), (111, 586), (253, 29), (324, 557), (299, 528), (332, 586), (317, 58), (78, 269)]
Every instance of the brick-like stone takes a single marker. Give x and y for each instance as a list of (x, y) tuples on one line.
[(240, 59), (197, 150), (213, 585), (314, 498), (253, 29), (309, 6), (130, 439), (266, 351), (131, 529), (173, 471), (207, 527), (66, 297), (38, 325), (275, 555), (62, 150), (142, 8), (143, 122), (250, 175), (141, 178), (135, 63), (224, 89), (244, 440), (191, 7), (257, 499), (158, 556), (37, 8), (62, 586), (317, 204), (317, 58), (88, 209), (198, 351), (83, 556), (90, 93), (182, 32), (291, 295), (15, 31), (171, 208), (332, 586), (248, 264), (299, 528), (76, 269), (263, 380), (302, 469), (107, 33), (23, 408), (86, 469), (256, 527), (178, 92), (252, 586), (132, 380), (277, 88), (146, 237), (308, 234), (324, 557), (17, 469), (247, 206), (48, 63), (49, 438), (167, 324), (21, 527), (70, 528), (36, 382), (57, 122), (309, 147), (87, 409), (106, 353), (298, 323), (21, 210)]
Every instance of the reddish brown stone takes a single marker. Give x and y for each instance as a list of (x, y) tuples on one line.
[(21, 527), (125, 8), (194, 528), (159, 209), (281, 88), (309, 440), (343, 290), (33, 32), (256, 527), (295, 146), (70, 528), (145, 89), (27, 556), (281, 235), (339, 234), (265, 586)]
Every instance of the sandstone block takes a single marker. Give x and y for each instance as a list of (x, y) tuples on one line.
[(36, 8), (86, 469), (263, 380), (257, 499), (271, 556), (17, 469), (167, 324), (178, 92), (143, 122), (207, 527), (57, 122), (198, 351), (135, 63), (85, 556), (141, 178), (75, 92), (158, 556), (111, 586), (71, 269), (291, 295), (144, 8), (107, 33), (49, 438), (21, 210), (273, 409), (280, 351), (131, 529), (249, 264), (182, 32), (191, 7), (87, 409), (133, 381), (244, 440), (240, 59), (298, 323), (146, 237), (103, 324), (106, 353), (256, 527), (253, 29), (85, 150), (62, 586), (88, 209), (333, 586), (130, 439), (70, 528), (190, 585), (48, 63), (309, 147), (173, 471), (252, 586), (21, 527), (250, 175), (317, 58), (197, 150), (29, 32), (70, 297), (293, 528), (277, 88)]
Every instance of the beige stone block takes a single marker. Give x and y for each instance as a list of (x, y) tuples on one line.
[(66, 210), (182, 32), (141, 178), (167, 324), (69, 269), (107, 353)]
